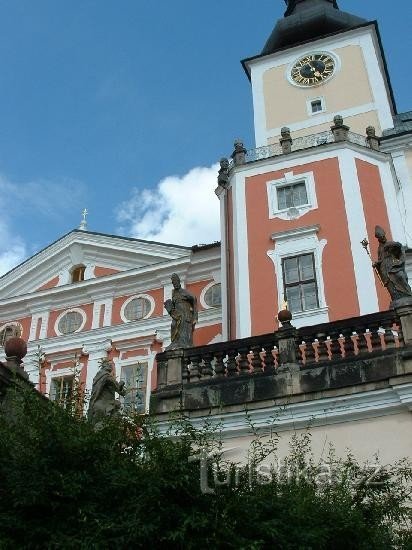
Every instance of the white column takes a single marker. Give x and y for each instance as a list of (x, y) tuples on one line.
[(405, 196)]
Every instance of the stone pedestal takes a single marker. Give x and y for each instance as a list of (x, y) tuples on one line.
[(287, 348), (403, 308)]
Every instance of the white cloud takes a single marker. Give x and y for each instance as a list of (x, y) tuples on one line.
[(180, 210)]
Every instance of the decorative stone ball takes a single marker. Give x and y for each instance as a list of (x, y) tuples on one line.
[(15, 347), (284, 316)]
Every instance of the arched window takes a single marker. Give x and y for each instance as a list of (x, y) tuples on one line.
[(213, 296), (11, 330), (77, 273)]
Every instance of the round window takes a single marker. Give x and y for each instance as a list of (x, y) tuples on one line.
[(70, 322), (213, 296), (137, 309)]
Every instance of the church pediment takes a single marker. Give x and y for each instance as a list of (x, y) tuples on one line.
[(94, 255)]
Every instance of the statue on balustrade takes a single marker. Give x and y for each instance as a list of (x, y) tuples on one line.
[(183, 310), (103, 402), (391, 266)]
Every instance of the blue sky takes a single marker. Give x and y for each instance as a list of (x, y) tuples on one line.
[(119, 105)]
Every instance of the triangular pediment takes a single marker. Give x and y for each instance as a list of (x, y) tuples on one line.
[(102, 255)]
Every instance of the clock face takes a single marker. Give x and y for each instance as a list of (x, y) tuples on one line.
[(313, 69)]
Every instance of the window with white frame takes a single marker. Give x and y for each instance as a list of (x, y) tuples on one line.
[(137, 307), (316, 105), (61, 389), (135, 378), (297, 258), (70, 322), (10, 330), (291, 196), (299, 283), (213, 296)]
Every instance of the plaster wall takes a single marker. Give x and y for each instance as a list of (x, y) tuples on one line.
[(389, 437), (287, 104)]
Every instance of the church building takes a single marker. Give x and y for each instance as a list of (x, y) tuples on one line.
[(332, 160)]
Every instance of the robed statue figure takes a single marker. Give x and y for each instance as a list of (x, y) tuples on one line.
[(103, 403), (391, 266), (183, 310)]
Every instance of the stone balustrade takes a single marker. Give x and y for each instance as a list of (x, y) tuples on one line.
[(284, 349)]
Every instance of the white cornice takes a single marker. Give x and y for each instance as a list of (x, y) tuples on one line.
[(103, 249), (315, 412), (118, 333)]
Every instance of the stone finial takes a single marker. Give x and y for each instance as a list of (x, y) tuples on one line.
[(223, 174), (372, 139), (15, 349), (286, 140), (339, 130), (83, 223), (239, 153)]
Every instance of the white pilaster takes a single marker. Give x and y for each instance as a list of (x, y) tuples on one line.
[(364, 276)]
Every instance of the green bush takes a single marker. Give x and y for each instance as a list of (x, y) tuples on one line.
[(65, 485)]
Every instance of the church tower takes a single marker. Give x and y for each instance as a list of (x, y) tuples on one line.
[(329, 166)]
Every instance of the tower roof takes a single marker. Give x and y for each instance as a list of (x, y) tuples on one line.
[(309, 19)]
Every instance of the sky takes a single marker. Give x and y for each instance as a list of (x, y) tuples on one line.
[(125, 106)]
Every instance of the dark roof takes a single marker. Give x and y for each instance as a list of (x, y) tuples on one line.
[(198, 247), (309, 20), (402, 124)]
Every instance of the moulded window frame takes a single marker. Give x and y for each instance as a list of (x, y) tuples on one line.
[(202, 300), (59, 318), (309, 104), (299, 242), (12, 324), (131, 298), (299, 283), (296, 211)]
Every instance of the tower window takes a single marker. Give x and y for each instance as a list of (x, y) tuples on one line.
[(299, 283), (78, 273), (293, 195), (316, 105)]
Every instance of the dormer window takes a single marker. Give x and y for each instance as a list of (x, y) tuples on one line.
[(77, 273)]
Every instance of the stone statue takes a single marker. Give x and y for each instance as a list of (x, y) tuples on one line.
[(391, 266), (103, 403), (223, 175), (183, 310)]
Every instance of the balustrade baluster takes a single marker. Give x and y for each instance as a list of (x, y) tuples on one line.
[(342, 349), (389, 337), (257, 359), (195, 373), (269, 360), (219, 364), (207, 370), (243, 361), (323, 354), (302, 350), (185, 370), (231, 363)]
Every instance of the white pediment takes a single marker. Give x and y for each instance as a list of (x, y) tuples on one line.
[(108, 253)]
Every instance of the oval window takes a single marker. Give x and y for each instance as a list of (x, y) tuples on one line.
[(137, 309), (70, 322), (213, 296)]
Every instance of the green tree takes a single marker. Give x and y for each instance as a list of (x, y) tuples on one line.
[(65, 485)]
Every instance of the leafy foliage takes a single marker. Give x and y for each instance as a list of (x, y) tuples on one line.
[(65, 485)]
